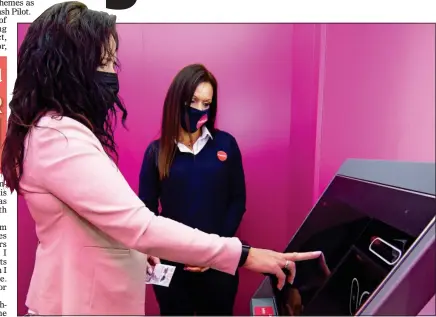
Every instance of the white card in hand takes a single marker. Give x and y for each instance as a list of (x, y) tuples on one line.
[(161, 275)]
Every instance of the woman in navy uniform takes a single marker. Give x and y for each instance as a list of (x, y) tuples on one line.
[(196, 172)]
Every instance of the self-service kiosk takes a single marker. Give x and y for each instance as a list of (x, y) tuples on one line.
[(375, 224)]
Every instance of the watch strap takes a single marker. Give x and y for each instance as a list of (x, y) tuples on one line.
[(244, 255)]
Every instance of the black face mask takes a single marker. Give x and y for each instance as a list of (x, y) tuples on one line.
[(110, 80)]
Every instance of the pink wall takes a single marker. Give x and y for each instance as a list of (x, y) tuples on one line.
[(306, 52), (354, 91), (253, 67), (378, 99)]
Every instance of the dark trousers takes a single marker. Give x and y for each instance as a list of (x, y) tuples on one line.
[(210, 293)]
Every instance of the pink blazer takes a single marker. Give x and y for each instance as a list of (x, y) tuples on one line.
[(94, 231)]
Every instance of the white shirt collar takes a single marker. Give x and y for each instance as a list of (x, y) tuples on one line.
[(205, 133), (199, 144)]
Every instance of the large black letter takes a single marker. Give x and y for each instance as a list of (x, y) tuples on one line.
[(119, 4)]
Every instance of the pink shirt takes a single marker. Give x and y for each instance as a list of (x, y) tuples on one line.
[(94, 231)]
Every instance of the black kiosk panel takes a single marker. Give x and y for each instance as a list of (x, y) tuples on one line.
[(363, 230)]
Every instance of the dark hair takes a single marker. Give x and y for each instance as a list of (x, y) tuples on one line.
[(57, 71), (179, 95)]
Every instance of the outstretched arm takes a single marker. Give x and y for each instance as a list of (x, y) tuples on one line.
[(72, 165)]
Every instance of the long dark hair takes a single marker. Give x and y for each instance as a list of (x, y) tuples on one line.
[(179, 95), (57, 67)]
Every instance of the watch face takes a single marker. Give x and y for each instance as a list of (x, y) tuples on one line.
[(363, 230)]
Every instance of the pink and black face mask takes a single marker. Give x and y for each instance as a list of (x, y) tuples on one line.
[(196, 118)]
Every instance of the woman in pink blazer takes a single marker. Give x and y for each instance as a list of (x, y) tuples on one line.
[(59, 153)]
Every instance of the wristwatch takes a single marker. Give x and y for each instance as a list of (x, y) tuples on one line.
[(244, 255)]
